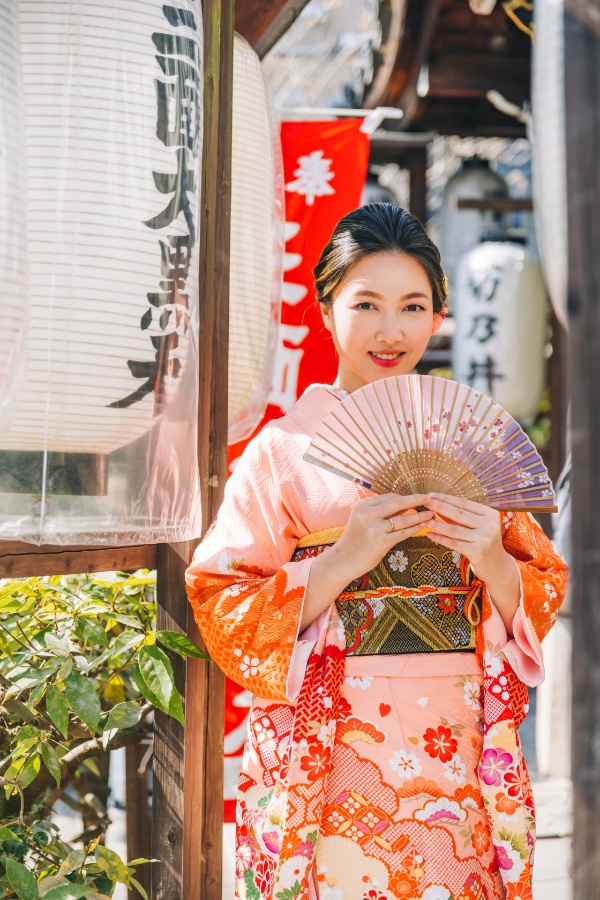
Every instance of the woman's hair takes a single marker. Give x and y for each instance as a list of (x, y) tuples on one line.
[(378, 228)]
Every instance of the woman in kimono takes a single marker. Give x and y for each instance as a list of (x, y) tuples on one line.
[(382, 758)]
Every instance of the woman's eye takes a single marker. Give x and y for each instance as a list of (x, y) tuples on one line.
[(413, 307), (364, 305)]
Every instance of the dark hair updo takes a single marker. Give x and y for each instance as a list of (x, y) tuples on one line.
[(378, 228)]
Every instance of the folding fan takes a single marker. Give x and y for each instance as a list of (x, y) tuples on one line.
[(411, 434)]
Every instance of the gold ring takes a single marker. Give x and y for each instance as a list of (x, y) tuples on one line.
[(391, 521)]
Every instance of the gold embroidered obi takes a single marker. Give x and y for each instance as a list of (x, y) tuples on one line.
[(421, 598)]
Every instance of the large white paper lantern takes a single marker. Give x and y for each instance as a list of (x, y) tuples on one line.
[(549, 166), (257, 241), (13, 256), (112, 103), (500, 312)]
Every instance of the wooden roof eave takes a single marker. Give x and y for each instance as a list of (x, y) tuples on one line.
[(263, 22)]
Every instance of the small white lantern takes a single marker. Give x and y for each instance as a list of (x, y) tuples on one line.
[(112, 101), (500, 311), (461, 229), (257, 242)]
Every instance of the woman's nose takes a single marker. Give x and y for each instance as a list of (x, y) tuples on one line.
[(390, 331)]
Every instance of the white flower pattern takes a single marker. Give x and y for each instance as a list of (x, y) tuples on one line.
[(249, 664), (398, 561), (405, 764), (472, 691), (359, 681), (455, 769)]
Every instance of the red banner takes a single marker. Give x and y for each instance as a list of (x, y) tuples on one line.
[(325, 167)]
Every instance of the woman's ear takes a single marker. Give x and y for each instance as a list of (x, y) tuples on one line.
[(326, 314)]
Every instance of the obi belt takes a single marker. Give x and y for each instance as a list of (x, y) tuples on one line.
[(421, 598)]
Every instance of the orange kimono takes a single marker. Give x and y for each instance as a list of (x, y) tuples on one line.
[(366, 777)]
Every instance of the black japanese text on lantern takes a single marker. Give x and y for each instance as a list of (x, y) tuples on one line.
[(177, 127), (483, 327)]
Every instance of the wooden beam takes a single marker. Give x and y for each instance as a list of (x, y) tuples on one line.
[(188, 826), (168, 764), (205, 684), (474, 74), (263, 22), (20, 560), (496, 204), (467, 117), (582, 105), (138, 815), (418, 32)]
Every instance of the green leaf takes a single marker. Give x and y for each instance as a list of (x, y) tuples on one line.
[(111, 863), (123, 715), (138, 887), (123, 642), (51, 762), (70, 892), (292, 892), (252, 891), (143, 688), (23, 774), (21, 880), (47, 884), (157, 673), (6, 835), (180, 644), (58, 709), (91, 630), (58, 645), (84, 700), (65, 670), (129, 621), (176, 707)]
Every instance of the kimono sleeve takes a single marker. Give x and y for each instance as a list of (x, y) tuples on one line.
[(544, 579), (246, 595)]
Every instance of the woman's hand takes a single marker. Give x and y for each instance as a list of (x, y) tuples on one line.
[(367, 537), (476, 531)]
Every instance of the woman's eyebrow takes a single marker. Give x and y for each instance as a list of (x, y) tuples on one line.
[(414, 295)]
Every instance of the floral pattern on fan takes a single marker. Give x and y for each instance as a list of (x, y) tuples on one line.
[(411, 434)]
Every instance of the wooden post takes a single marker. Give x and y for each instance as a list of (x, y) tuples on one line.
[(188, 822), (582, 64), (139, 817), (418, 183)]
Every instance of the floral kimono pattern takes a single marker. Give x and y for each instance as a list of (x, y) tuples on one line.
[(348, 791)]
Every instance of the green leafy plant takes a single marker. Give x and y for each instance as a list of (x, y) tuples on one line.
[(81, 667)]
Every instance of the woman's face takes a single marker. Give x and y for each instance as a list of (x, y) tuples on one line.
[(381, 318)]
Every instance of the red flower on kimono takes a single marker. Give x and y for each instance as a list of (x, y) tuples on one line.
[(506, 804), (344, 709), (316, 762), (402, 885), (513, 782), (440, 743), (447, 603), (480, 838), (264, 875)]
